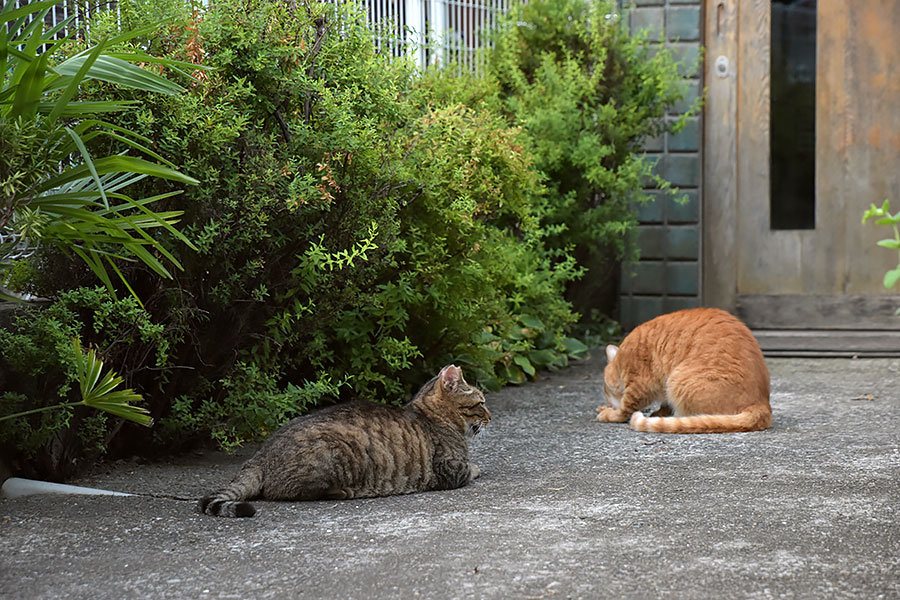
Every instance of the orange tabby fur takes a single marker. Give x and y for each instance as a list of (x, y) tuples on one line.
[(702, 364)]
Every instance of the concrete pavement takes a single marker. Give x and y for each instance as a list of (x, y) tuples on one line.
[(566, 508)]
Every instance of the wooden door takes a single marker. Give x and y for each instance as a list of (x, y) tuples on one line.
[(820, 287)]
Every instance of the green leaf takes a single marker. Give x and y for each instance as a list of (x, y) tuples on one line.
[(895, 244), (873, 211), (9, 14), (96, 265), (515, 334), (543, 358), (73, 109), (514, 375), (29, 90), (574, 347), (168, 62), (531, 322), (136, 414), (89, 164), (144, 149), (100, 393), (889, 220), (525, 364), (487, 380), (125, 281), (491, 384), (5, 297), (115, 164), (64, 99), (891, 278), (117, 71)]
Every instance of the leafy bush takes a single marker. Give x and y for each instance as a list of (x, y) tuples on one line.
[(254, 404), (587, 95), (475, 242), (354, 232), (53, 189), (39, 367), (357, 225)]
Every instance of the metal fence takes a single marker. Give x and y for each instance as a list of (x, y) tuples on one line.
[(80, 12), (439, 31), (434, 31), (431, 31)]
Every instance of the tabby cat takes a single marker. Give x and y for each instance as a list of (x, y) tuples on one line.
[(701, 365), (362, 450)]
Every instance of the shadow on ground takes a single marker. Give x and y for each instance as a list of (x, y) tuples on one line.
[(567, 508)]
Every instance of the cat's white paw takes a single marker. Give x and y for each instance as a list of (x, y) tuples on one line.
[(608, 414), (474, 471)]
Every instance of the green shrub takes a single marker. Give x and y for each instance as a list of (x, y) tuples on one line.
[(358, 225), (38, 363), (474, 243), (254, 405), (587, 95), (355, 231)]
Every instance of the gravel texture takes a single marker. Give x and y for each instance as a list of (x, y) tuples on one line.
[(567, 508)]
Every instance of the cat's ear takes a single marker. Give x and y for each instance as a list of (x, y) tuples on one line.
[(451, 376), (611, 352)]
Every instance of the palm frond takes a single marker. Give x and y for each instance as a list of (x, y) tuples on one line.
[(84, 204), (99, 391), (120, 72)]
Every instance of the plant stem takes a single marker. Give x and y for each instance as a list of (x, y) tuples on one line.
[(897, 235), (37, 410)]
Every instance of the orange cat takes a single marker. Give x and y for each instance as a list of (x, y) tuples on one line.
[(703, 365)]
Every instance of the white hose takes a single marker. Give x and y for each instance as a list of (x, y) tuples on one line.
[(15, 487)]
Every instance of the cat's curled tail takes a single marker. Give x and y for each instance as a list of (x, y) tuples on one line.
[(231, 501), (752, 418)]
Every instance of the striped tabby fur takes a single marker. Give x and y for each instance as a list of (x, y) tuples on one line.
[(362, 450), (703, 366)]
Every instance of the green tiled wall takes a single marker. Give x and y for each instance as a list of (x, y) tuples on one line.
[(667, 276), (683, 23)]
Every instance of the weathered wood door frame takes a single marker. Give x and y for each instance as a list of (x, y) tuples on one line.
[(720, 144)]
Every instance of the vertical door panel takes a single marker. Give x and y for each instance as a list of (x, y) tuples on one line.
[(858, 128), (720, 154)]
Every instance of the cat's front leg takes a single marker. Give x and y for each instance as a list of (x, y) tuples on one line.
[(608, 414), (454, 473), (632, 400)]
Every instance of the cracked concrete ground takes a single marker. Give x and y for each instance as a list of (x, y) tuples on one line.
[(567, 508)]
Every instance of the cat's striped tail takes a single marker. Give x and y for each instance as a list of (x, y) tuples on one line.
[(753, 418), (231, 501)]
